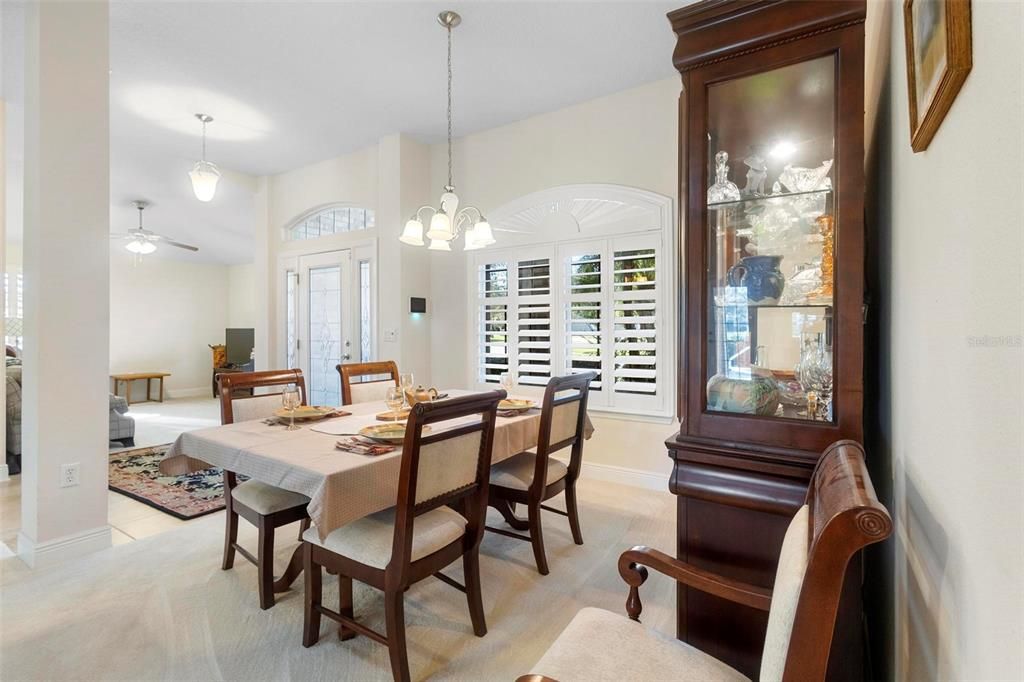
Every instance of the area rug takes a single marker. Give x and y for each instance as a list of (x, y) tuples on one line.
[(136, 474)]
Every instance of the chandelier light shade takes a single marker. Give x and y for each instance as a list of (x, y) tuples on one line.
[(204, 175), (448, 221), (413, 233)]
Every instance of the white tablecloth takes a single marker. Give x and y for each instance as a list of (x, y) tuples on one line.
[(341, 486)]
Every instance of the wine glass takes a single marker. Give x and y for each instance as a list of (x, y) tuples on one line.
[(394, 399), (406, 382), (291, 400), (508, 382)]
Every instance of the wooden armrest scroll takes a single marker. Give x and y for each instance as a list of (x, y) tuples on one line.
[(535, 678), (632, 565)]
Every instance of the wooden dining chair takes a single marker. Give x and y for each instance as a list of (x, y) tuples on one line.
[(265, 506), (366, 391), (440, 469), (841, 515), (534, 478)]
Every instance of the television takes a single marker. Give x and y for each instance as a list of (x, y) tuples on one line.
[(238, 345)]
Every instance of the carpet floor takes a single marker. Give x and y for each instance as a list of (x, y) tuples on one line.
[(161, 608)]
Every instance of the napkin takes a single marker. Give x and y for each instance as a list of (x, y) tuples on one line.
[(364, 447)]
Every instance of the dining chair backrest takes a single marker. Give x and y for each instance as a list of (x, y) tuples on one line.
[(562, 420), (841, 515), (366, 391), (443, 463), (240, 408)]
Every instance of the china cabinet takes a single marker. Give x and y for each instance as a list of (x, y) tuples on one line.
[(771, 344)]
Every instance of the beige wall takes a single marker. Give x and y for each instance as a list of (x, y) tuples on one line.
[(947, 260), (628, 138), (164, 313)]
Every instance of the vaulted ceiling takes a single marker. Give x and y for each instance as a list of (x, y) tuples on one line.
[(291, 83)]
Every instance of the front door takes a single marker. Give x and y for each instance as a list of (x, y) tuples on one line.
[(324, 328)]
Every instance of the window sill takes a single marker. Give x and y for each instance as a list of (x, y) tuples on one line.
[(644, 418)]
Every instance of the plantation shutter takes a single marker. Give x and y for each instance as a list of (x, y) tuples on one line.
[(634, 308), (494, 342), (533, 321), (585, 319)]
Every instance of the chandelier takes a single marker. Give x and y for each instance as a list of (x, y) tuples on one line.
[(449, 221), (204, 174)]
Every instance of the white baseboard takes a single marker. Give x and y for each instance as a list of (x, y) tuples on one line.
[(62, 549), (637, 478), (5, 473), (189, 392)]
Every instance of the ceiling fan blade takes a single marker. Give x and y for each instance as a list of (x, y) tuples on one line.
[(171, 242), (121, 236), (503, 229)]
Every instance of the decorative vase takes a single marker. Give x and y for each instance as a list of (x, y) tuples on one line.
[(758, 394), (761, 277)]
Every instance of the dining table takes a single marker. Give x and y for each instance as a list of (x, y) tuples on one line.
[(342, 486)]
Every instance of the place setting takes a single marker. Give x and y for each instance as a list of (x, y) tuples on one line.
[(293, 410), (513, 407)]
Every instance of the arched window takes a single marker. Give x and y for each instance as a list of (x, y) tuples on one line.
[(333, 220), (580, 283)]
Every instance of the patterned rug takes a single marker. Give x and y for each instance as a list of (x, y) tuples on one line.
[(136, 473)]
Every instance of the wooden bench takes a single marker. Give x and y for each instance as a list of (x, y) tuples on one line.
[(127, 379)]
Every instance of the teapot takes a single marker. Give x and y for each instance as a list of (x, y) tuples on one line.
[(420, 394)]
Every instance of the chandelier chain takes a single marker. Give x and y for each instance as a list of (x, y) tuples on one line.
[(204, 142), (449, 106)]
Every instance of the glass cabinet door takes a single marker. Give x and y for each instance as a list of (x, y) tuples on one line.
[(770, 235)]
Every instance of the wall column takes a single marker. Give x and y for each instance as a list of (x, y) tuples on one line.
[(67, 300)]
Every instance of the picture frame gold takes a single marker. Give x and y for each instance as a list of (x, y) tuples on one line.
[(938, 43)]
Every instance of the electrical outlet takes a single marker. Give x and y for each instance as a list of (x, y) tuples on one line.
[(69, 475)]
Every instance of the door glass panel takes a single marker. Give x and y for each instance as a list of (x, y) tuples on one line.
[(291, 319), (325, 340), (770, 239)]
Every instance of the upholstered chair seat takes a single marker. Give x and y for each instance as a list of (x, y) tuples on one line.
[(266, 499), (369, 540), (517, 472), (592, 648)]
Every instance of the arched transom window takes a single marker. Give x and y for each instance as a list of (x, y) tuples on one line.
[(330, 221)]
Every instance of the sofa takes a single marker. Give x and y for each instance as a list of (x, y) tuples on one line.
[(122, 426)]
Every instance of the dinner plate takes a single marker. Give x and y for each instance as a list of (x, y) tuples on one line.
[(306, 412), (517, 404), (392, 432)]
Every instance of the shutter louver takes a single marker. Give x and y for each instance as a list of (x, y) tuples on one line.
[(493, 322), (533, 321), (635, 311), (584, 326)]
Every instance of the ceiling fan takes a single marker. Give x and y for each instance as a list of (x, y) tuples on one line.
[(142, 241)]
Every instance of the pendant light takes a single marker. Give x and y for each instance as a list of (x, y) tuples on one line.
[(204, 174), (447, 221)]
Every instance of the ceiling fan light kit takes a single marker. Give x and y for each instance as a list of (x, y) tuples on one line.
[(204, 174), (447, 221), (142, 241)]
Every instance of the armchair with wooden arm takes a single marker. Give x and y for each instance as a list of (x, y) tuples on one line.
[(841, 516)]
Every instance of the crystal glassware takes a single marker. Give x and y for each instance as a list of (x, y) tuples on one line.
[(723, 190), (395, 399), (508, 382), (290, 399), (815, 375), (797, 179), (406, 381)]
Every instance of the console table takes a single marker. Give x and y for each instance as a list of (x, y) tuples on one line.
[(127, 380)]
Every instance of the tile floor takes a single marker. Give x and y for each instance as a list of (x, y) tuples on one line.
[(155, 424)]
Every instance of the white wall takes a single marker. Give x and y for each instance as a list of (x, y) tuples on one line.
[(628, 138), (949, 255), (163, 313), (242, 296)]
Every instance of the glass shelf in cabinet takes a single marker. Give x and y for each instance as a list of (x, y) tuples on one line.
[(752, 201)]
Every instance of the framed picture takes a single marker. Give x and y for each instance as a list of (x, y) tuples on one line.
[(938, 35)]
